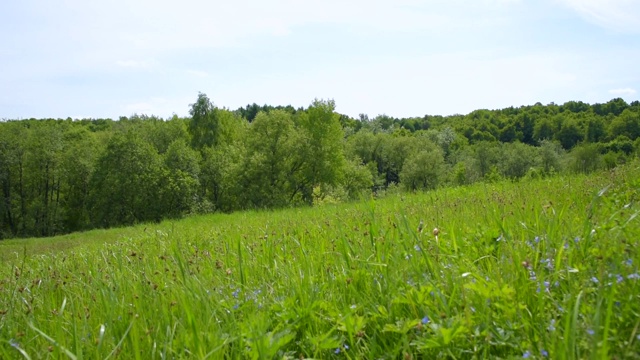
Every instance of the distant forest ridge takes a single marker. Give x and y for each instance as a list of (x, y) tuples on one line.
[(59, 176)]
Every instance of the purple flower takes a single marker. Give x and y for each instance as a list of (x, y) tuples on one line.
[(629, 262), (595, 280), (425, 320), (619, 278), (337, 351), (235, 293), (14, 343), (346, 347), (417, 247), (544, 353), (590, 331), (633, 276), (526, 355), (552, 325)]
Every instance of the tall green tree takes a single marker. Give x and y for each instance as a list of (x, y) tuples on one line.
[(127, 180), (204, 126), (269, 172), (182, 183), (320, 149)]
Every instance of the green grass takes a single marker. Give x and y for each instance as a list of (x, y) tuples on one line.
[(518, 269)]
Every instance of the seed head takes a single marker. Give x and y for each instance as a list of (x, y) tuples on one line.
[(436, 232)]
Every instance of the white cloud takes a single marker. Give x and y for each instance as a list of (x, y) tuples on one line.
[(618, 15), (198, 73), (132, 64), (623, 91)]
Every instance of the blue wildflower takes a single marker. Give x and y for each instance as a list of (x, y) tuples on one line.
[(537, 239), (595, 280), (576, 239), (346, 347), (619, 278), (425, 320), (544, 353), (235, 293), (417, 247), (633, 276), (590, 331), (526, 355), (552, 325), (14, 343), (337, 351), (629, 262)]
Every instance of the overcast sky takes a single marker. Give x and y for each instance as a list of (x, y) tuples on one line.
[(83, 58)]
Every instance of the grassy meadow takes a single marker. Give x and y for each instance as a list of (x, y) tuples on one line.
[(535, 269)]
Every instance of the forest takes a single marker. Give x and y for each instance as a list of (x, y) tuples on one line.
[(64, 175)]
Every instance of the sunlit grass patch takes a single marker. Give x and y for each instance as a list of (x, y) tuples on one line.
[(535, 269)]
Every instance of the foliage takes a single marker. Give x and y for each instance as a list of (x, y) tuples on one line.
[(60, 176)]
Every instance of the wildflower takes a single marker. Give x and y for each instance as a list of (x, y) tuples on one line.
[(619, 278), (629, 262), (14, 343), (633, 276), (590, 331), (235, 294), (526, 355), (532, 275), (353, 306), (337, 351), (417, 247), (566, 246), (594, 280), (425, 320), (546, 285), (346, 347), (552, 325), (544, 353), (577, 239), (537, 239)]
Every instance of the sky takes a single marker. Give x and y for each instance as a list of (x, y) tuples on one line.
[(402, 58)]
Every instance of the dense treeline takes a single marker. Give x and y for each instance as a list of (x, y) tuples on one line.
[(59, 176)]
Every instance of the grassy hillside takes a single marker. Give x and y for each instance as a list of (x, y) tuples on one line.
[(540, 268)]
